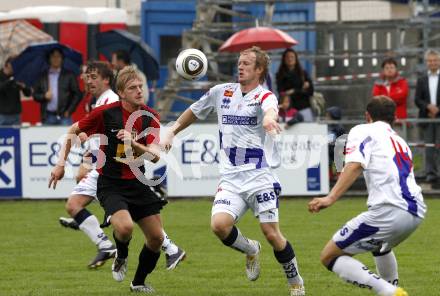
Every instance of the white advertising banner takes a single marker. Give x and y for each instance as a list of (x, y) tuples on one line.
[(39, 151), (303, 169), (304, 160), (191, 167)]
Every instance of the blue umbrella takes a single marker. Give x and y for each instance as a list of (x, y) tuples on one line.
[(33, 61), (140, 53)]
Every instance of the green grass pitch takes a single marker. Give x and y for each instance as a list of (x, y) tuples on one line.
[(39, 257)]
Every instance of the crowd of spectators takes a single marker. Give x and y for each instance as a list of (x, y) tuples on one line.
[(295, 90), (57, 90)]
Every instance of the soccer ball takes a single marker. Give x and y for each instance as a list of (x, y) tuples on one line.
[(191, 64)]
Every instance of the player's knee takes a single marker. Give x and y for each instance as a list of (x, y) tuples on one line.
[(156, 241), (274, 237), (220, 228), (124, 229), (72, 207), (326, 258)]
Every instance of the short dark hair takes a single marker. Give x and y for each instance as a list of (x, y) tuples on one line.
[(389, 61), (53, 50), (103, 69), (382, 108), (122, 55)]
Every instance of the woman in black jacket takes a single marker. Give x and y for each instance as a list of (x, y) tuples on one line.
[(293, 81)]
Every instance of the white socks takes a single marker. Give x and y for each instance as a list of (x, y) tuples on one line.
[(291, 270), (90, 226), (168, 246), (354, 272), (386, 266), (244, 244)]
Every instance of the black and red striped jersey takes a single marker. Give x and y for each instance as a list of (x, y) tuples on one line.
[(107, 120)]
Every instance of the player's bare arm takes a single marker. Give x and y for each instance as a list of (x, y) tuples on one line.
[(351, 171), (58, 171), (186, 119), (86, 165), (83, 170), (270, 122)]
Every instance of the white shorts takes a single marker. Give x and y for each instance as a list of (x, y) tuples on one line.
[(376, 230), (87, 185), (256, 189)]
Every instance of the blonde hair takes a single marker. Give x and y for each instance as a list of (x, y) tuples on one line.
[(262, 60), (127, 74)]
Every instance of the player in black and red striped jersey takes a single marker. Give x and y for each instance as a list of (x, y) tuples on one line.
[(130, 134)]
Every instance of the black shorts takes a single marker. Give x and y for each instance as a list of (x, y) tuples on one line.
[(132, 195)]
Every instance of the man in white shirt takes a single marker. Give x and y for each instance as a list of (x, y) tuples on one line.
[(247, 120), (99, 78), (99, 81), (427, 99), (395, 202)]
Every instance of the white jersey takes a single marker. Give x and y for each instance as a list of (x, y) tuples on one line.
[(107, 97), (388, 169), (243, 143)]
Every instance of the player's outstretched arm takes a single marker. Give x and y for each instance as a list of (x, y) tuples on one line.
[(186, 119), (270, 122), (349, 174), (58, 171)]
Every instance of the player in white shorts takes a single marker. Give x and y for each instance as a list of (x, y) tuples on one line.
[(99, 81), (395, 202), (246, 114)]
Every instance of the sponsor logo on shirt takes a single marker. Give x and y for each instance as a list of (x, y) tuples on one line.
[(222, 202), (267, 196), (134, 134), (120, 148), (239, 120), (253, 104), (228, 93), (225, 103)]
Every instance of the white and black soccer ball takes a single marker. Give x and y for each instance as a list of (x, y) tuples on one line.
[(191, 64)]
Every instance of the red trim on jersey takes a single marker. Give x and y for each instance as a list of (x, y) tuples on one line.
[(265, 96)]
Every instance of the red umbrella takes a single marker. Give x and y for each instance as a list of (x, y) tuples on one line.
[(263, 37)]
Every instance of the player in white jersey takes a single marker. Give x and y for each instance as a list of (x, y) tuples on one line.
[(247, 113), (99, 78), (395, 202)]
